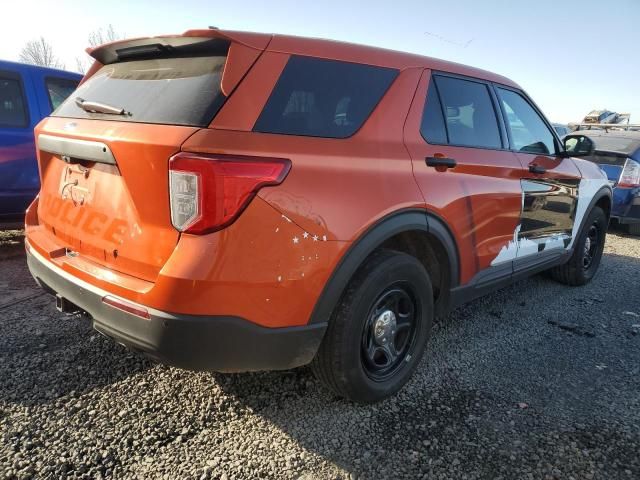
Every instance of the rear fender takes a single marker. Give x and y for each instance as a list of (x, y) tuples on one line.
[(374, 237)]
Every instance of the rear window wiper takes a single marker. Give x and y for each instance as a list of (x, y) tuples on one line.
[(97, 107)]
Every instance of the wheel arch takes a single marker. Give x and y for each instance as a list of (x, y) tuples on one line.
[(413, 231), (604, 201), (603, 198)]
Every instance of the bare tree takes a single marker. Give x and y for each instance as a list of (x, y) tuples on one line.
[(81, 65), (40, 52), (96, 38), (100, 36)]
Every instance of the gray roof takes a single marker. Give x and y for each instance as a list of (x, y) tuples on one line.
[(620, 141)]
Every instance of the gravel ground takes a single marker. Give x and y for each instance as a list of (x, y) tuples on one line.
[(535, 381)]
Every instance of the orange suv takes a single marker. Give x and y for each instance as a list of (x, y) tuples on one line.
[(234, 201)]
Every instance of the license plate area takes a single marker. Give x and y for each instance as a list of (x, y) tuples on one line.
[(75, 184)]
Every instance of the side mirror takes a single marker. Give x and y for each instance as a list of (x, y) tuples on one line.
[(578, 146)]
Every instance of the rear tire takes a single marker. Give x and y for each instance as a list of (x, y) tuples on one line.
[(378, 332), (633, 229), (587, 252)]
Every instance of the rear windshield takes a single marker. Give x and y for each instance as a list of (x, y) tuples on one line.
[(625, 145), (174, 91), (323, 98), (604, 158)]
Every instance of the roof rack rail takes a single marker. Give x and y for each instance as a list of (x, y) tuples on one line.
[(608, 126)]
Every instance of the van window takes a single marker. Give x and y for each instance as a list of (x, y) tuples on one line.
[(470, 117), (529, 133), (323, 98), (167, 90), (432, 127), (58, 89), (13, 110)]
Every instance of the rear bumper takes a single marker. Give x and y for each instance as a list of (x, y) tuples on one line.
[(626, 205), (194, 342), (632, 215)]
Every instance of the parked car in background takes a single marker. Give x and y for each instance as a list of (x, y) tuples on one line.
[(618, 154), (27, 94), (600, 116), (561, 129), (284, 201)]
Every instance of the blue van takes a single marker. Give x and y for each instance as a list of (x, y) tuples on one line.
[(27, 94)]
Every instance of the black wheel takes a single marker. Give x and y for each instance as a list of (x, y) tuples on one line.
[(633, 229), (378, 332), (584, 262)]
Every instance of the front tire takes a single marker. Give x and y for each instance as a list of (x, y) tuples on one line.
[(587, 253), (378, 332)]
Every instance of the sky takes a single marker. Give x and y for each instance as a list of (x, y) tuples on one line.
[(570, 56)]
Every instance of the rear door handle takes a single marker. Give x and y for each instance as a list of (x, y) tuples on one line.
[(440, 162), (537, 169)]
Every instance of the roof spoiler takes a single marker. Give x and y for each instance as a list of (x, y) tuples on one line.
[(241, 48), (152, 47), (189, 41)]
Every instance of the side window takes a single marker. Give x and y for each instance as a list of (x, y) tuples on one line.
[(432, 127), (470, 117), (323, 98), (13, 110), (529, 133), (59, 89)]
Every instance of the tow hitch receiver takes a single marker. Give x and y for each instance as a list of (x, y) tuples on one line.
[(65, 306)]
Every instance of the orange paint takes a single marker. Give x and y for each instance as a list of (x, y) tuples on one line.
[(271, 265)]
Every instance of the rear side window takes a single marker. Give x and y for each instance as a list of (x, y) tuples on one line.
[(470, 117), (58, 89), (13, 109), (173, 91), (323, 98), (529, 132)]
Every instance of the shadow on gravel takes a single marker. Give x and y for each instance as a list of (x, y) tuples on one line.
[(535, 377), (391, 439), (45, 355)]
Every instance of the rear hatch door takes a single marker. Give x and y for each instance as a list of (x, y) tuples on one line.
[(104, 193), (104, 153)]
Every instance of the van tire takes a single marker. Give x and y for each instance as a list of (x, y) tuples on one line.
[(343, 362), (576, 271)]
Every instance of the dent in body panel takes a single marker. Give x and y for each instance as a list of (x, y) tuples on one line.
[(263, 268)]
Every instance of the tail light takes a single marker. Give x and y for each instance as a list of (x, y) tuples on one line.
[(208, 192), (630, 176)]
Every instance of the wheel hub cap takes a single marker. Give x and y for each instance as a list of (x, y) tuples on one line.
[(384, 328), (590, 246), (389, 332)]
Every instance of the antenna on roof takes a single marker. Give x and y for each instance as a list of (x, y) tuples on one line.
[(211, 27)]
